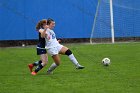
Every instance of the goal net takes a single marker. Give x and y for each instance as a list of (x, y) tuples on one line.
[(123, 19)]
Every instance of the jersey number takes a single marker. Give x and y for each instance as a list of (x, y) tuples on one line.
[(53, 36)]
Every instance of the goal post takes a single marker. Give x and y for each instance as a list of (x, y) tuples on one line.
[(112, 22), (94, 23)]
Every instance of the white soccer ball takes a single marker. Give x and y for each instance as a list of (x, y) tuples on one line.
[(23, 45), (106, 61)]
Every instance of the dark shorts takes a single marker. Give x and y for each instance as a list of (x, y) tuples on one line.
[(41, 51)]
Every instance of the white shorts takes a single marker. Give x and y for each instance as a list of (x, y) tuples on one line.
[(55, 50)]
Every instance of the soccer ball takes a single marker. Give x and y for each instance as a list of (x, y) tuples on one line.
[(106, 61)]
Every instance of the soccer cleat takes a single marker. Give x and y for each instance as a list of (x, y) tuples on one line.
[(30, 67), (49, 72), (33, 73), (80, 67)]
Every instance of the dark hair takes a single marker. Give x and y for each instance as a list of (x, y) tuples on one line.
[(49, 20), (40, 24)]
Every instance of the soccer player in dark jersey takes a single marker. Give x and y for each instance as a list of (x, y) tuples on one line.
[(40, 48)]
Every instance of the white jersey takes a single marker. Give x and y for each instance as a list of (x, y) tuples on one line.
[(51, 40)]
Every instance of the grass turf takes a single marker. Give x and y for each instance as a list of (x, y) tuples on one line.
[(122, 76)]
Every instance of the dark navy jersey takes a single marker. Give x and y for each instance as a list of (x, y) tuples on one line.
[(41, 42)]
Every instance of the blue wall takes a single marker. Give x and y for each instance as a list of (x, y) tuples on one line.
[(127, 18), (73, 18)]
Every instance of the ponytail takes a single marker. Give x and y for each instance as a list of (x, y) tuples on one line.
[(40, 24)]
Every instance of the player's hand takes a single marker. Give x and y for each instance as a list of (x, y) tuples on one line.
[(59, 40), (46, 26)]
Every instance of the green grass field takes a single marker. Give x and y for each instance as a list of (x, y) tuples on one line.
[(122, 76)]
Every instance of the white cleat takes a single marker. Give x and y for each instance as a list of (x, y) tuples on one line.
[(49, 72), (80, 67)]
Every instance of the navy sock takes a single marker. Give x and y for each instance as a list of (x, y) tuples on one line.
[(37, 63), (38, 68)]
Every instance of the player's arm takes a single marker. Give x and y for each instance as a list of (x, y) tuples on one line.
[(43, 32)]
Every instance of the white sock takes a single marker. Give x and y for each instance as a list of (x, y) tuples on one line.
[(73, 60), (52, 67)]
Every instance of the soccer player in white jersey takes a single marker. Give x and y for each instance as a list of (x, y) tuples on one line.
[(54, 48)]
